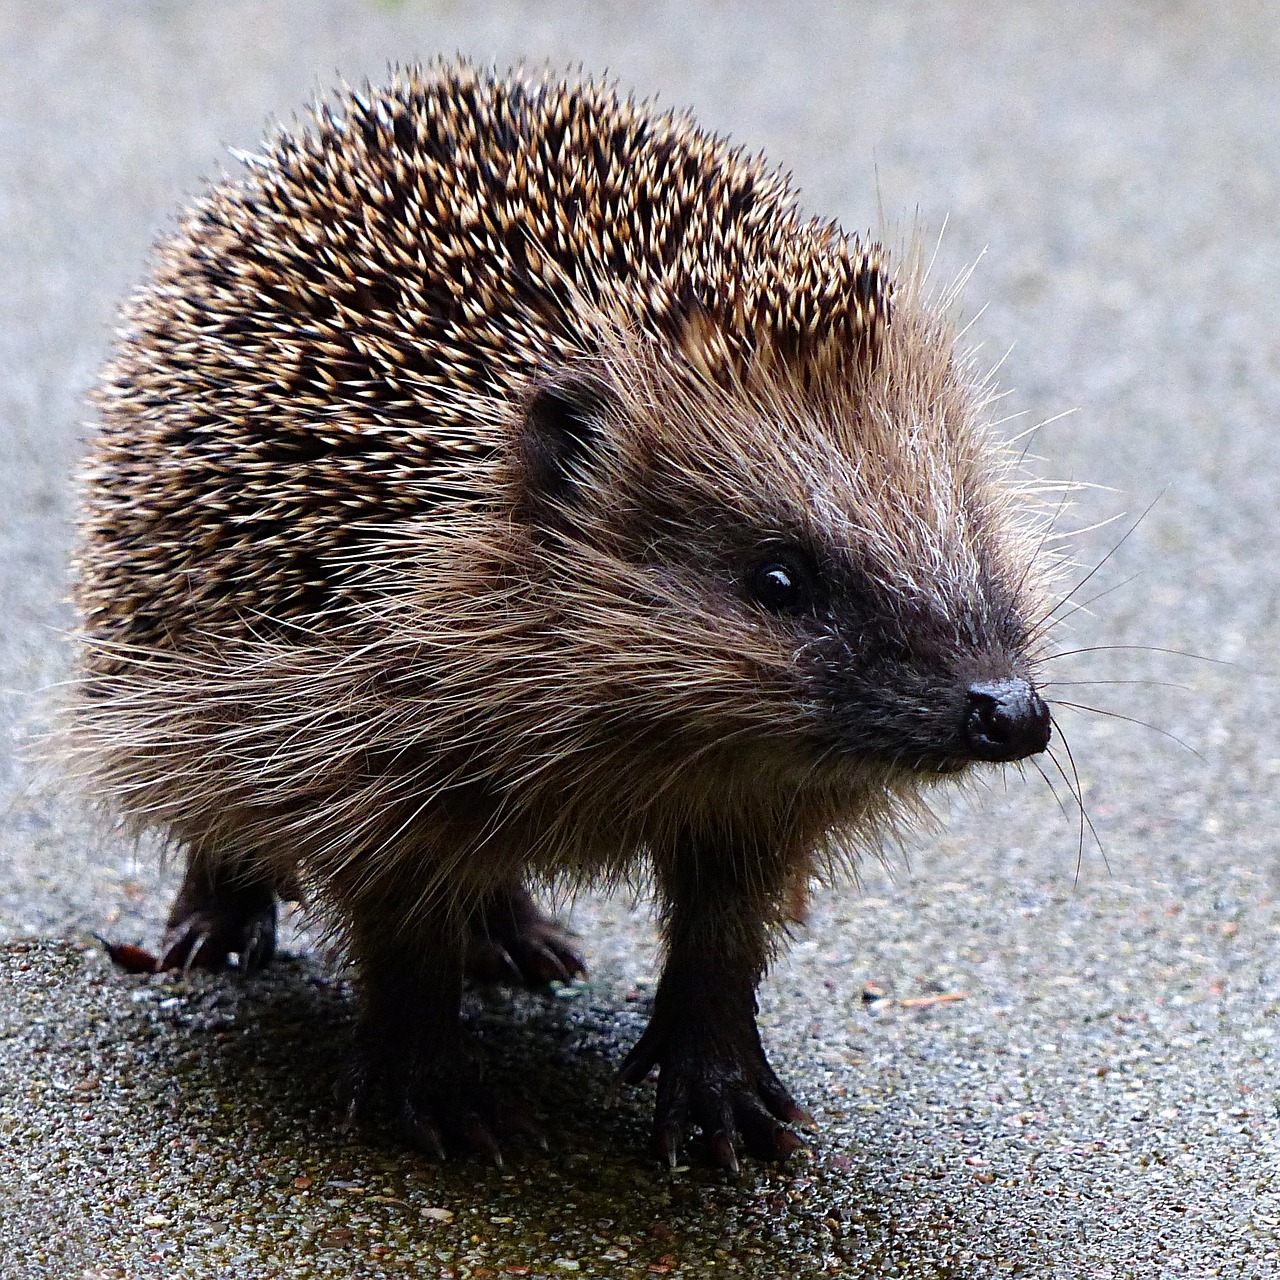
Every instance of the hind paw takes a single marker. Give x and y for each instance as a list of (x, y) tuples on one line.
[(515, 941), (207, 939), (211, 922)]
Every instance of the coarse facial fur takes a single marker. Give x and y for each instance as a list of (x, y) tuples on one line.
[(501, 481)]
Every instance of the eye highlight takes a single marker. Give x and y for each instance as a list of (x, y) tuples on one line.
[(783, 581)]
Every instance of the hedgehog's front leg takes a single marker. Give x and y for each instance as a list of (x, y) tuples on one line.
[(410, 1049), (702, 1035)]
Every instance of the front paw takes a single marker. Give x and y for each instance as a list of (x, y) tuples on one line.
[(435, 1107), (724, 1085)]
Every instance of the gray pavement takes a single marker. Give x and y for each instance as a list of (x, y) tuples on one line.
[(1102, 1102)]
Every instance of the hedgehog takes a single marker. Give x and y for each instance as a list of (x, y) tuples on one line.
[(500, 485)]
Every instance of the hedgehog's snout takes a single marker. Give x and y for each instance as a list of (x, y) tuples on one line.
[(1005, 720)]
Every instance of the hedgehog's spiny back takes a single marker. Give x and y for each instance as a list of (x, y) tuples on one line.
[(489, 209), (331, 347)]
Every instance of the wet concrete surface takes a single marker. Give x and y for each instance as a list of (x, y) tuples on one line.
[(1030, 1054)]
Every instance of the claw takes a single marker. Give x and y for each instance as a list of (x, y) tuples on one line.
[(775, 1096), (421, 1132), (668, 1143), (510, 971), (350, 1116), (514, 940), (801, 1117), (258, 947), (175, 947), (567, 960), (637, 1065), (478, 1137), (517, 1121), (437, 1114), (786, 1144), (206, 936), (547, 966), (728, 1091), (722, 1152), (203, 954)]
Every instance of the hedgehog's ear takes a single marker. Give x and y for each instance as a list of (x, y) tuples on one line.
[(563, 431)]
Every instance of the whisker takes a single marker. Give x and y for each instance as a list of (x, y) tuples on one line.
[(1042, 541), (1048, 622), (1039, 628), (1151, 684), (1116, 715), (1075, 795), (1053, 791), (1078, 791), (1143, 648)]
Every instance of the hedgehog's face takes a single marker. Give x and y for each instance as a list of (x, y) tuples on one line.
[(885, 675), (838, 576)]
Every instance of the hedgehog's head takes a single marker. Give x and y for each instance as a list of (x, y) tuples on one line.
[(810, 553)]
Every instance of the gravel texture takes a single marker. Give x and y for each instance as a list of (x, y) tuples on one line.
[(1031, 1053)]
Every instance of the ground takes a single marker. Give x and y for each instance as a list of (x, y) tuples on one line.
[(1030, 1054)]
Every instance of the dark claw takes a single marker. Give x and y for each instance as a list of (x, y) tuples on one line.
[(515, 940), (490, 961), (525, 960), (175, 949), (193, 947), (448, 1122), (206, 954), (786, 1143), (758, 1127), (206, 939), (420, 1132), (726, 1091), (800, 1117), (515, 1120), (478, 1137), (258, 947), (547, 966), (352, 1115), (443, 1110), (774, 1095), (642, 1059), (359, 1093)]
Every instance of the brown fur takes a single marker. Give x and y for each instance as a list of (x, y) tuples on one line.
[(431, 461)]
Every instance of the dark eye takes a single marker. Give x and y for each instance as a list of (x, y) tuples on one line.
[(783, 583)]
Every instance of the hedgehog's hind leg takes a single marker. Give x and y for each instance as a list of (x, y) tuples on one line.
[(513, 940), (226, 906)]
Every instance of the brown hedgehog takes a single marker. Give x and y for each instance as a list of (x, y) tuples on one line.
[(501, 483)]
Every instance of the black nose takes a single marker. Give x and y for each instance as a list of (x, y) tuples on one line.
[(1006, 720)]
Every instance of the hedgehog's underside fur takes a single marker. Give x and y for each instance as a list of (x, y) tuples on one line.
[(498, 480)]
